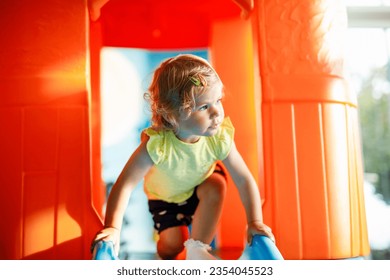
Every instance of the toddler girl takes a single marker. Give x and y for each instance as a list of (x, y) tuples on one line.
[(179, 159)]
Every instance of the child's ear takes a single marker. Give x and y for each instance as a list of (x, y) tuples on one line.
[(185, 113), (166, 120)]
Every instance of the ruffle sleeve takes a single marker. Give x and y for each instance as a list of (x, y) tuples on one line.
[(224, 139), (155, 145)]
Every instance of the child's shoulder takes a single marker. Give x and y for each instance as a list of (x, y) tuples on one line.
[(223, 140), (156, 142), (152, 132), (226, 129), (227, 123)]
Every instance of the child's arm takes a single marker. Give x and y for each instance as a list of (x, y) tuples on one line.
[(133, 172), (249, 194)]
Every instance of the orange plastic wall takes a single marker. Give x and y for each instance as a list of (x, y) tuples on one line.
[(241, 103), (312, 154), (296, 120), (46, 169)]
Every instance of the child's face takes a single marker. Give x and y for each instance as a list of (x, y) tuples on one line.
[(205, 119)]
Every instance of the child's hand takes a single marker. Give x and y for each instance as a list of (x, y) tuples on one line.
[(108, 234), (257, 227)]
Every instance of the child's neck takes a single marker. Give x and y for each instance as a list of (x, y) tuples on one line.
[(188, 139)]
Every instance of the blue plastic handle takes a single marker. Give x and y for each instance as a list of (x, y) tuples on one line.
[(262, 248), (104, 250)]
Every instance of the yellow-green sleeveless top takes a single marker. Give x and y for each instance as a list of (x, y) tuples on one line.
[(178, 166)]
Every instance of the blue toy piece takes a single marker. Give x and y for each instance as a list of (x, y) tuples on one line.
[(262, 248), (104, 251)]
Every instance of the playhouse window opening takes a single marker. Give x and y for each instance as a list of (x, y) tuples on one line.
[(125, 76)]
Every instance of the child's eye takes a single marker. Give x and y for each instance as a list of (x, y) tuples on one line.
[(202, 108)]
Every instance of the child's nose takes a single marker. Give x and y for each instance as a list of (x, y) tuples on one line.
[(216, 111)]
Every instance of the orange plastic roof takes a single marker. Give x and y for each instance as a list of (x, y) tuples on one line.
[(168, 24)]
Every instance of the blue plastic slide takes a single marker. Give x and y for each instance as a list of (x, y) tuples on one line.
[(262, 248), (104, 251)]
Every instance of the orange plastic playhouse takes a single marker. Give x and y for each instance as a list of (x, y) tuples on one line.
[(295, 117)]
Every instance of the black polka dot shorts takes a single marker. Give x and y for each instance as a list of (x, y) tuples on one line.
[(168, 214)]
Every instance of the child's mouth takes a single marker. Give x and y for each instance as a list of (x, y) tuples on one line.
[(215, 125)]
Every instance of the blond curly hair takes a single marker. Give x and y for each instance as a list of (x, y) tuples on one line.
[(174, 87)]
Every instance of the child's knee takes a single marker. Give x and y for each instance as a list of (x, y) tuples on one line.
[(214, 188), (169, 249), (219, 187)]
